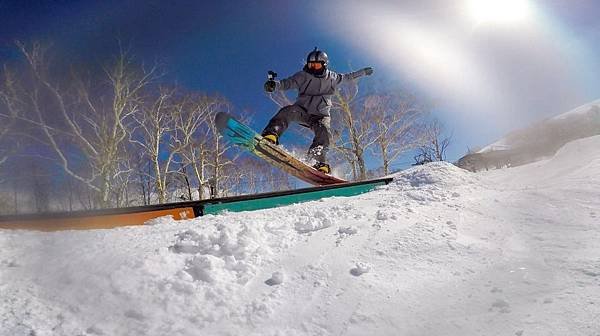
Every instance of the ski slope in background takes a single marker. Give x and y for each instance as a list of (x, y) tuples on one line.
[(439, 251), (588, 113)]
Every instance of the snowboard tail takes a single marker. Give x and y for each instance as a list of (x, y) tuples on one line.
[(247, 138)]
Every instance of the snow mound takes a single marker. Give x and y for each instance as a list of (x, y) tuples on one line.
[(439, 174), (433, 182)]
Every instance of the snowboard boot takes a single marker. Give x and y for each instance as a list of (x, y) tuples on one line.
[(272, 138), (322, 167)]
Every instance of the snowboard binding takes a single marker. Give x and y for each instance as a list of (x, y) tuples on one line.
[(272, 138), (322, 167)]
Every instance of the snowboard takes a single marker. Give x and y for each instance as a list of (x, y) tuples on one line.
[(245, 137)]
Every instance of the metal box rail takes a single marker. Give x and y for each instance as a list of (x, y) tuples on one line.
[(111, 218)]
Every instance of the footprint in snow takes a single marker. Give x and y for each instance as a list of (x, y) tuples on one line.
[(501, 305), (276, 279), (360, 269)]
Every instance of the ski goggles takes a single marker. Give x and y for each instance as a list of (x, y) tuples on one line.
[(315, 65)]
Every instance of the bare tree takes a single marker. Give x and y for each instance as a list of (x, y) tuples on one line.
[(11, 110), (396, 120), (196, 136), (40, 187), (78, 124), (357, 131), (184, 185), (143, 181), (122, 182), (154, 123), (218, 160), (224, 157), (436, 144)]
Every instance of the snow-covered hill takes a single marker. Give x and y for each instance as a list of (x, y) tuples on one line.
[(538, 141), (440, 251), (570, 122)]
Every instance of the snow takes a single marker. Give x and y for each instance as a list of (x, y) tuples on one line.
[(439, 251), (583, 109), (276, 279), (496, 146)]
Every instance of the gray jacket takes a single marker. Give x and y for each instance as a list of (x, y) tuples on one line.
[(314, 93)]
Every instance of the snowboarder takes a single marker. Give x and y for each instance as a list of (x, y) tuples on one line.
[(315, 84)]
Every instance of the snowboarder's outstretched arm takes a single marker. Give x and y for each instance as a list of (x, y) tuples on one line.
[(292, 82), (354, 75)]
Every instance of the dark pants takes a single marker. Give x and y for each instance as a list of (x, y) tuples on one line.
[(318, 124)]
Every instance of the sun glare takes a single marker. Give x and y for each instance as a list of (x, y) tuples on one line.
[(498, 11)]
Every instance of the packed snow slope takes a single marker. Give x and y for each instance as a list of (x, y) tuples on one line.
[(439, 251)]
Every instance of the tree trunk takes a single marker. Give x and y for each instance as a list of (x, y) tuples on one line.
[(384, 157), (104, 191), (160, 188), (188, 187), (216, 174)]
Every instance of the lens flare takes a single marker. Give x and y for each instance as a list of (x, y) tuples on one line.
[(498, 11), (485, 81)]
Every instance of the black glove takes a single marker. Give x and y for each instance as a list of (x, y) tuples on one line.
[(270, 85), (368, 71)]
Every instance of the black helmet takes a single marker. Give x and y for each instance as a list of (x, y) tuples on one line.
[(316, 56)]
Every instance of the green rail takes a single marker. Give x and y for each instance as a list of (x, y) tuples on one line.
[(273, 201), (110, 218)]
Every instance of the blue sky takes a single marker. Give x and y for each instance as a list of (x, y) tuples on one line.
[(485, 79)]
